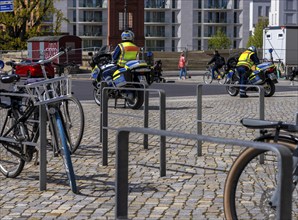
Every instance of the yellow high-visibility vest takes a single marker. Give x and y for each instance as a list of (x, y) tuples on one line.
[(244, 59), (129, 51)]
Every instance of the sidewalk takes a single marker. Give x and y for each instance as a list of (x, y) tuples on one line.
[(192, 188)]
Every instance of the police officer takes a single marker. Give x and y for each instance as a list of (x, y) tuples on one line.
[(246, 60), (126, 50)]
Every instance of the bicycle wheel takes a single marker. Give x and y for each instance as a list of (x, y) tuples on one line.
[(11, 165), (74, 120), (222, 79), (250, 184), (207, 78), (61, 142)]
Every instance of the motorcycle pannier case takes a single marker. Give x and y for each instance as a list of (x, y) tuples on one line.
[(121, 77), (255, 77)]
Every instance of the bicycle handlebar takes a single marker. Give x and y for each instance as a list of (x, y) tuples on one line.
[(261, 124), (61, 52)]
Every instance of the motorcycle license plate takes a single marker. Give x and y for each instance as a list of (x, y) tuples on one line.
[(272, 76), (142, 78)]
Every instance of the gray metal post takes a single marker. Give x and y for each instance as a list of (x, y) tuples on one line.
[(42, 148), (261, 103), (104, 104), (102, 86), (284, 207), (261, 115), (199, 118), (122, 175), (146, 117), (162, 113)]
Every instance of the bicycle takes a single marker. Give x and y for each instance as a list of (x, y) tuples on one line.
[(72, 110), (221, 77), (250, 189), (280, 69), (17, 145)]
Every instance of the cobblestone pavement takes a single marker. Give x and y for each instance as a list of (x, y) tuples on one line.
[(192, 188)]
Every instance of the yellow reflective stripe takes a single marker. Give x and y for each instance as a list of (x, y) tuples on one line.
[(128, 52)]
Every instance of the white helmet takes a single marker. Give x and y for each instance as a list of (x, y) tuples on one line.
[(252, 48), (127, 36)]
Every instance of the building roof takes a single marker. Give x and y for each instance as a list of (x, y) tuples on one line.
[(50, 38)]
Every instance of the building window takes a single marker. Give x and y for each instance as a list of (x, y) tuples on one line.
[(74, 16), (236, 4), (290, 5), (155, 3), (122, 25), (268, 36), (173, 3), (155, 31), (259, 11), (173, 17), (199, 44), (173, 45), (199, 17), (199, 4), (289, 19), (155, 45), (235, 17), (267, 11), (173, 31), (199, 32)]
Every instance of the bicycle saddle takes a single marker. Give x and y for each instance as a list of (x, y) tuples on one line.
[(259, 124), (9, 78)]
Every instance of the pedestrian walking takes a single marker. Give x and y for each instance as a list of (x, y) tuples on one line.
[(182, 66)]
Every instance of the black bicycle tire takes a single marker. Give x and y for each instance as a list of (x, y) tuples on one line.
[(65, 153), (20, 163), (238, 167), (18, 168), (223, 79), (208, 73), (79, 135)]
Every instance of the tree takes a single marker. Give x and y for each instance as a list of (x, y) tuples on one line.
[(257, 38), (219, 41), (24, 22)]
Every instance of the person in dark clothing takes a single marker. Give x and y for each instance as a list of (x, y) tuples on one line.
[(218, 61)]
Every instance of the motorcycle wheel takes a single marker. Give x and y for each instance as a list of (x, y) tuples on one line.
[(97, 96), (232, 91), (269, 88), (137, 101)]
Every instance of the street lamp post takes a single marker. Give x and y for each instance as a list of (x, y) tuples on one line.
[(125, 15)]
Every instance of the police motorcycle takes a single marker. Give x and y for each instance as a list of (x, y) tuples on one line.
[(265, 74), (135, 74)]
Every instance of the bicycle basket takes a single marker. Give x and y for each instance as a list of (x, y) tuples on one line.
[(50, 90)]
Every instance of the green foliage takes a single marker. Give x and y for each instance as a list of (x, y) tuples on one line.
[(24, 22), (219, 41), (257, 38)]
